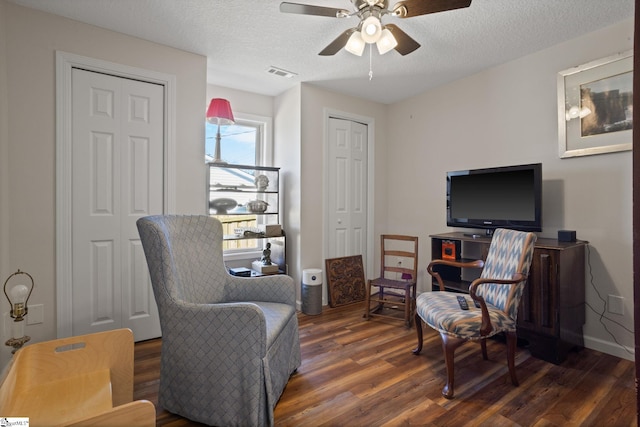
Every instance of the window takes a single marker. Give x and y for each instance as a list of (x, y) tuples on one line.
[(247, 142), (239, 143)]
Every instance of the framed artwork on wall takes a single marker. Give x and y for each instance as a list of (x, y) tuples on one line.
[(595, 107)]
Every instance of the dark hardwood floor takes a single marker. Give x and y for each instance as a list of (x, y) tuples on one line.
[(362, 373)]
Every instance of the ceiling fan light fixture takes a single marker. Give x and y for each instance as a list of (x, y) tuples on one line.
[(371, 29), (355, 45), (386, 42), (370, 14)]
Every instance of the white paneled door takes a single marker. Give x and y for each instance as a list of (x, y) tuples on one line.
[(347, 188), (117, 161)]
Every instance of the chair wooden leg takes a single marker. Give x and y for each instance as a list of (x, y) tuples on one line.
[(418, 322), (483, 344), (367, 301), (449, 346), (407, 307), (410, 304), (512, 341), (380, 298)]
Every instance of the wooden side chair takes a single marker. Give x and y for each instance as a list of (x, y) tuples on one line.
[(396, 285), (497, 292)]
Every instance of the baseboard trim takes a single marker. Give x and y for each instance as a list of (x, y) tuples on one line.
[(608, 347)]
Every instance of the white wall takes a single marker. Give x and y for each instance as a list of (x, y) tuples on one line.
[(28, 42), (287, 130), (508, 115), (315, 102), (241, 101)]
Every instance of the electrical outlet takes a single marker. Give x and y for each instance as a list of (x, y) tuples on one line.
[(616, 304), (36, 314)]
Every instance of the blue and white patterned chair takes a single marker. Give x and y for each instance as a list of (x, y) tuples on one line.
[(229, 344), (498, 290)]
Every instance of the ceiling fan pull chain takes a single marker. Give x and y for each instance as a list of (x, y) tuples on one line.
[(370, 61)]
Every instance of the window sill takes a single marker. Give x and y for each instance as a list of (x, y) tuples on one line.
[(242, 255)]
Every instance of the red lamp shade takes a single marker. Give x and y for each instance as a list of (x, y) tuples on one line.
[(406, 276), (219, 112)]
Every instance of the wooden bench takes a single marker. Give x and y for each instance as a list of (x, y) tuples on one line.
[(79, 381)]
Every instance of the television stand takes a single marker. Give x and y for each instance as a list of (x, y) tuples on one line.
[(552, 309)]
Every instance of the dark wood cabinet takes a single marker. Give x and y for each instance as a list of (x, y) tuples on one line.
[(552, 310)]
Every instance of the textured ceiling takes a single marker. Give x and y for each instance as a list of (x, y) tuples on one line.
[(243, 38)]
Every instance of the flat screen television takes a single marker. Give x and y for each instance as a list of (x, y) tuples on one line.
[(500, 197)]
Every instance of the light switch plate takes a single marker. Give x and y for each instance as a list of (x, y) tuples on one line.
[(36, 314)]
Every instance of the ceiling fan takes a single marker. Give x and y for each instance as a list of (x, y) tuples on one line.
[(370, 28)]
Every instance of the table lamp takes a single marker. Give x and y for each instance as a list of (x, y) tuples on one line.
[(219, 113), (18, 295)]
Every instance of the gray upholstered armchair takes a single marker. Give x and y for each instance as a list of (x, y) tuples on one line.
[(229, 344)]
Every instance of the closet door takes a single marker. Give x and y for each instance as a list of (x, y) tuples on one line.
[(347, 203), (117, 161)]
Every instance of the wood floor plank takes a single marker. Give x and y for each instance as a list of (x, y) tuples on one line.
[(358, 372)]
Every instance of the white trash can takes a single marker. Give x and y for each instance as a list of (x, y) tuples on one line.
[(312, 291)]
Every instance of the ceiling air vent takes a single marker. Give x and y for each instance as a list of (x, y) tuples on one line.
[(280, 72)]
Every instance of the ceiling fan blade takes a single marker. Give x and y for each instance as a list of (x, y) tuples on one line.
[(406, 44), (409, 8), (307, 9), (340, 42)]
